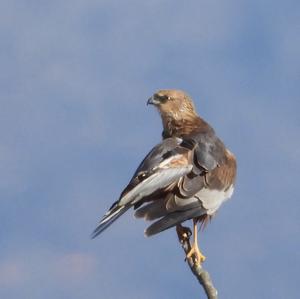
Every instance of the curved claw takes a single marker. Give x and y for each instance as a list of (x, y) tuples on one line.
[(184, 233), (196, 253)]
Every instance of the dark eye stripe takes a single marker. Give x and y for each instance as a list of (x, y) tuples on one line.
[(164, 98)]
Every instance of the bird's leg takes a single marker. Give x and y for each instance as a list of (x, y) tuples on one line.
[(195, 251), (183, 233)]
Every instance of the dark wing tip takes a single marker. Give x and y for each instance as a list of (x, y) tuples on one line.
[(99, 229), (108, 219)]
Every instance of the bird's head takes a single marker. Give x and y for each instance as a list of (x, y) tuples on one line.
[(174, 104)]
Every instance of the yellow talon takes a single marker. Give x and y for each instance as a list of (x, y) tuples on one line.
[(195, 251)]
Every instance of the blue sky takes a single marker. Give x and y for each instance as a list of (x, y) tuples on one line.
[(74, 80)]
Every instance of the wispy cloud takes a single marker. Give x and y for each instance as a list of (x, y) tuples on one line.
[(12, 274)]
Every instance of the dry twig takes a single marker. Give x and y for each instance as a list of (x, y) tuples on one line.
[(201, 274)]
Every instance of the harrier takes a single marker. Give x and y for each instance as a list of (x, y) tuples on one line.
[(186, 176)]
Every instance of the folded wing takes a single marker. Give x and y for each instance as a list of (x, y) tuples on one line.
[(180, 179), (163, 166), (199, 193)]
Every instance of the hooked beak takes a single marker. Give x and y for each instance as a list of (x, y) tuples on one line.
[(153, 101)]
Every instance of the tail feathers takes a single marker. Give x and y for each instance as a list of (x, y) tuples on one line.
[(172, 220), (111, 216), (152, 211)]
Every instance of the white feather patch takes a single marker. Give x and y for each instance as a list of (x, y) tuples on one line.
[(213, 199), (108, 216), (156, 181)]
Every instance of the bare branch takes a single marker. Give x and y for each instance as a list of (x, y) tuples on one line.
[(201, 274)]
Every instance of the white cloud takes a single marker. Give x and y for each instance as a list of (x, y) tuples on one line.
[(12, 274), (74, 267)]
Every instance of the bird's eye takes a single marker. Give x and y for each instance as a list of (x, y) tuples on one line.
[(164, 98)]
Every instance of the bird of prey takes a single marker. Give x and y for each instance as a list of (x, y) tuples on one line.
[(186, 176)]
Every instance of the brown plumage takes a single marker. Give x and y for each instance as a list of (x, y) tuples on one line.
[(187, 176)]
